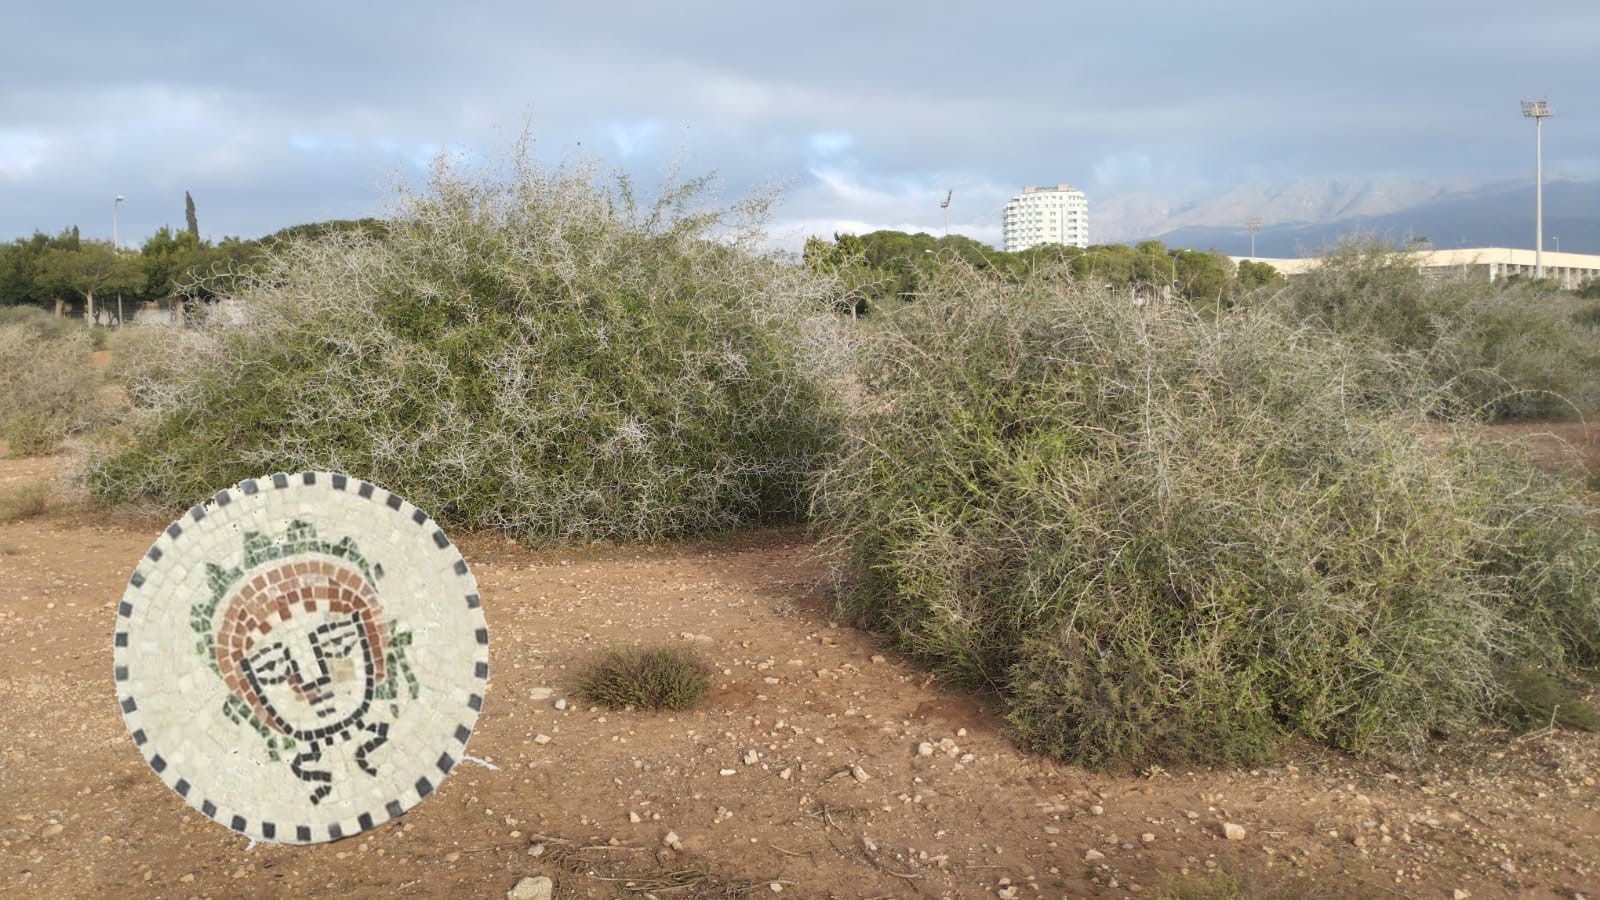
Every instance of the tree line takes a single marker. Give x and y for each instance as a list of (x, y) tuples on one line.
[(69, 274), (888, 265), (72, 275)]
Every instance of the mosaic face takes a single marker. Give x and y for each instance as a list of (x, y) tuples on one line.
[(302, 661)]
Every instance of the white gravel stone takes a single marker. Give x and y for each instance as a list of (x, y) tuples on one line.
[(537, 887)]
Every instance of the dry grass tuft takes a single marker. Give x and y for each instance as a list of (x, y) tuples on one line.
[(27, 502), (1247, 884), (51, 385), (653, 679), (621, 876)]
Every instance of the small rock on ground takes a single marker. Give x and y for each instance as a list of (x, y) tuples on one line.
[(537, 887)]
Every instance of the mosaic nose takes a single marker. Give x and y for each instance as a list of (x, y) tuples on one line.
[(308, 673)]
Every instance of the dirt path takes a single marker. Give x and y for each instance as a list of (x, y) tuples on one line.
[(81, 815)]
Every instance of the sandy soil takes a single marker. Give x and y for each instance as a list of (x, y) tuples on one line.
[(1563, 446), (81, 815)]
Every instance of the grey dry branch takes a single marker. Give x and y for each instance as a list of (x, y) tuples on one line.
[(1162, 536), (530, 351)]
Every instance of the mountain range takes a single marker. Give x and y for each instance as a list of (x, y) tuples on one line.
[(1302, 216)]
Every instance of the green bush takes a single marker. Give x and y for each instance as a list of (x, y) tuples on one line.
[(1500, 351), (50, 382), (654, 679), (533, 352), (1165, 537)]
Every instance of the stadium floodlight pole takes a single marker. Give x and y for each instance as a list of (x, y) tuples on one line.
[(946, 207), (1538, 111), (1253, 225)]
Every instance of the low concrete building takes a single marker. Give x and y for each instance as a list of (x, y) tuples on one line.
[(1490, 263)]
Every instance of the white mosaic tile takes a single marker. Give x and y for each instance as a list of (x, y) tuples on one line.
[(303, 657)]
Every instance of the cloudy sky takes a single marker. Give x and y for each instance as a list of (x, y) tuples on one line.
[(865, 113)]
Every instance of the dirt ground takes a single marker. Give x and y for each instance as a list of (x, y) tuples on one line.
[(81, 814)]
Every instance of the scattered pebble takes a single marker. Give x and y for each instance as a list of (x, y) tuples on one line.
[(537, 887), (1232, 831)]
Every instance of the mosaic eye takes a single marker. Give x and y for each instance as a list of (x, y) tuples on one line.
[(339, 641), (270, 664)]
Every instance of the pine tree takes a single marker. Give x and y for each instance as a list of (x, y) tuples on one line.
[(188, 215)]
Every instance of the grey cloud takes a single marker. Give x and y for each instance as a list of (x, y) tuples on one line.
[(285, 113)]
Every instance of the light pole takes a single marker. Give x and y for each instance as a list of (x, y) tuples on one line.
[(1538, 111), (116, 247), (946, 207), (1253, 226)]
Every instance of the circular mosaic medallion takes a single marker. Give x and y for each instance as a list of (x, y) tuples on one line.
[(303, 657)]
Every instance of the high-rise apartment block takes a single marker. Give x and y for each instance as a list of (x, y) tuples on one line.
[(1058, 215)]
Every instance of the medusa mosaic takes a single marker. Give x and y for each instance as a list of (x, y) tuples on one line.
[(309, 658), (304, 660)]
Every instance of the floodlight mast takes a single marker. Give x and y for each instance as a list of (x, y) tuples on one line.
[(1253, 225), (946, 207), (1538, 111)]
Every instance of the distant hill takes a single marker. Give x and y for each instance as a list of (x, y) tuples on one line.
[(1299, 201), (1495, 216)]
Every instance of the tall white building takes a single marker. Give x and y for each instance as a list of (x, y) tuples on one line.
[(1058, 215)]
